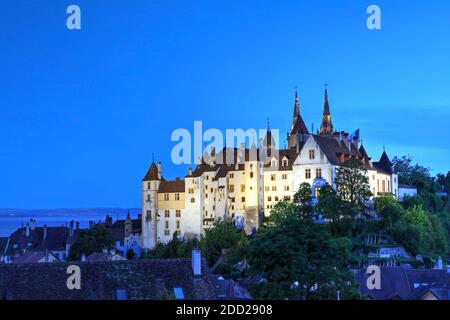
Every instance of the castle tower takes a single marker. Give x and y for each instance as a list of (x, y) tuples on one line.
[(150, 185), (298, 127), (327, 127)]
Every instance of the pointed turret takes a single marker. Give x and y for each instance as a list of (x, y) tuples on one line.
[(152, 173), (269, 141), (296, 112), (363, 152), (298, 125), (327, 126), (385, 163)]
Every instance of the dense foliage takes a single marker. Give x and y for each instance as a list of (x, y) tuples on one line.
[(91, 240)]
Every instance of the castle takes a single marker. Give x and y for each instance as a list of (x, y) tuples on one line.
[(247, 188)]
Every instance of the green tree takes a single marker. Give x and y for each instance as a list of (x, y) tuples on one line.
[(298, 259), (222, 235), (91, 240), (352, 184)]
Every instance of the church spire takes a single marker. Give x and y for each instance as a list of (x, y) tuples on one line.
[(327, 127), (296, 111)]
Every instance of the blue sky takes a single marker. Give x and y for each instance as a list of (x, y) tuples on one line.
[(81, 112)]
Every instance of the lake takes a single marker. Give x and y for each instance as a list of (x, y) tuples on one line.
[(12, 219)]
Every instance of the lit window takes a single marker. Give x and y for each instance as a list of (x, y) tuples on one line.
[(231, 187), (266, 188), (242, 187), (274, 188)]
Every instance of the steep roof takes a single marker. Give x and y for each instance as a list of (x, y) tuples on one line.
[(384, 165), (298, 125), (55, 240), (152, 173)]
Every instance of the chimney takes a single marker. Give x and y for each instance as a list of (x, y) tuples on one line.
[(27, 230), (77, 225), (177, 179), (190, 172), (71, 228), (83, 257), (32, 224), (91, 224), (159, 170), (45, 232), (197, 263), (439, 264)]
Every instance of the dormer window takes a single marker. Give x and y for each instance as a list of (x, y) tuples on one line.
[(274, 163), (285, 162)]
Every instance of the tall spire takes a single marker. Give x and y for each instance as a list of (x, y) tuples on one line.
[(327, 126), (296, 111), (298, 125)]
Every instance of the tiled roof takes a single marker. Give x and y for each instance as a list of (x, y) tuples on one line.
[(171, 186), (152, 173), (400, 283), (384, 165), (30, 256), (142, 279), (55, 240)]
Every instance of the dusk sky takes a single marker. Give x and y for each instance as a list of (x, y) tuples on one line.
[(82, 111)]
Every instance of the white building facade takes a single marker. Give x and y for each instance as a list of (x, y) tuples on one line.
[(247, 187)]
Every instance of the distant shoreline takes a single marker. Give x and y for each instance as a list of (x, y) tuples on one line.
[(12, 219)]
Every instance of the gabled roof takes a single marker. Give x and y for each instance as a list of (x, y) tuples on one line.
[(290, 154), (30, 256), (55, 241)]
